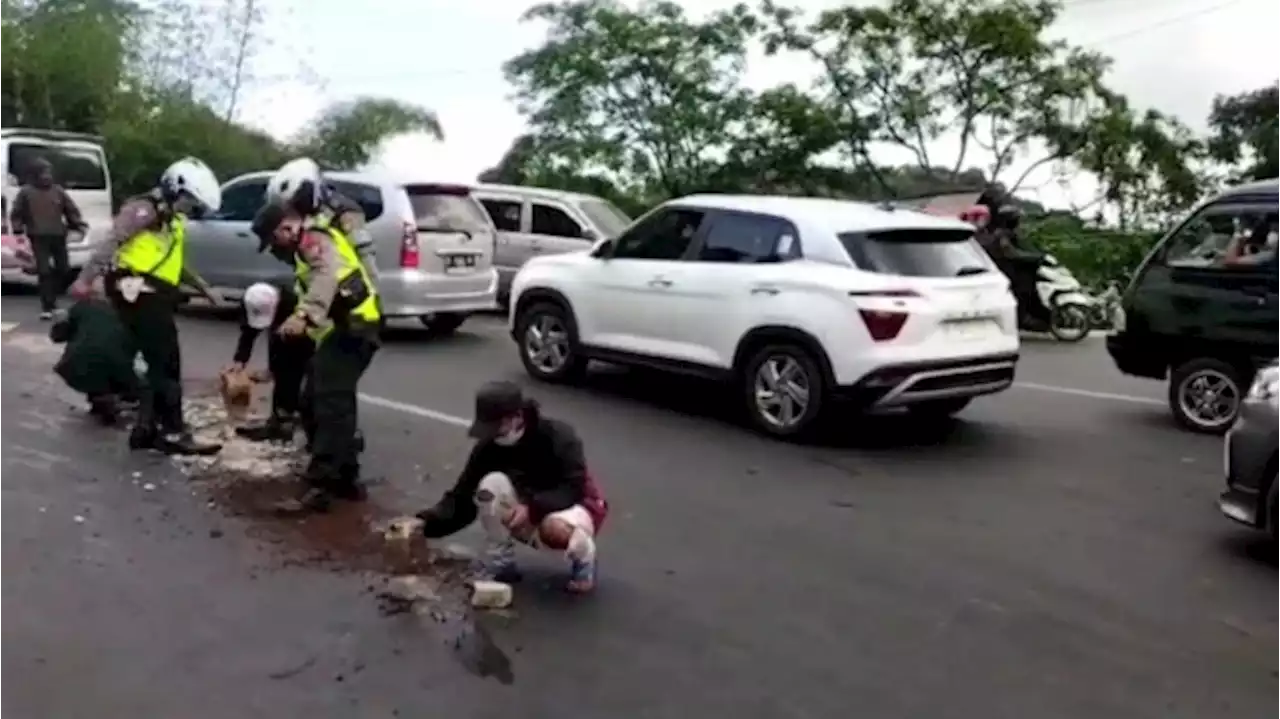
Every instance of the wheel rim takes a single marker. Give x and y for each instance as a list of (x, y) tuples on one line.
[(1071, 320), (781, 390), (1209, 398), (546, 343)]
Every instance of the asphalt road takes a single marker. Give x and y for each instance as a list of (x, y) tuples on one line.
[(1054, 553)]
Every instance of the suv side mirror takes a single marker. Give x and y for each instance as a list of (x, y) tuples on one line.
[(604, 250), (588, 234)]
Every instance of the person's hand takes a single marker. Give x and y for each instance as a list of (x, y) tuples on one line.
[(235, 367), (80, 290), (517, 520), (294, 326)]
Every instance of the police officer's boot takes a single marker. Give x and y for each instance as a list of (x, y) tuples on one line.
[(349, 486), (278, 428), (181, 442)]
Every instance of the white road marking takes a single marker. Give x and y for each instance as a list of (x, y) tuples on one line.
[(7, 326), (1131, 399), (415, 410)]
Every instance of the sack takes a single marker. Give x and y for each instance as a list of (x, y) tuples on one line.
[(237, 392)]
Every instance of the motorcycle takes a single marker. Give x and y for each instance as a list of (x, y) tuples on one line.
[(1050, 299)]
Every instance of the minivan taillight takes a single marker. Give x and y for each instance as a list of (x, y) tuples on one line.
[(409, 246), (884, 324)]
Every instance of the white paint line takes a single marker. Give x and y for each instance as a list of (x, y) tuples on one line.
[(415, 410), (1089, 393), (6, 326)]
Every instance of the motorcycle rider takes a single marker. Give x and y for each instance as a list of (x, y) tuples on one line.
[(338, 309), (144, 262)]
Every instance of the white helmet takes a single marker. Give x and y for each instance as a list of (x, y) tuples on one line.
[(192, 177), (297, 184)]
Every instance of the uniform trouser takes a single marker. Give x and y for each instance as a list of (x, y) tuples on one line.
[(336, 368), (50, 253), (150, 323), (288, 359)]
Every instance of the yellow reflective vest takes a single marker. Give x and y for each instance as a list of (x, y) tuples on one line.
[(156, 253), (354, 286)]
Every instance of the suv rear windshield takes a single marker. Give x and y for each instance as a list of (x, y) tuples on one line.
[(445, 207), (917, 252), (74, 167)]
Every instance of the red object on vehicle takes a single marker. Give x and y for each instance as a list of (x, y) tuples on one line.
[(978, 215), (409, 257), (17, 253)]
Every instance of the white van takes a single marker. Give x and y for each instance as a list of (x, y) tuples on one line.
[(79, 165)]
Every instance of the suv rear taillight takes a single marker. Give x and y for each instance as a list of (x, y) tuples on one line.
[(409, 246), (884, 324)]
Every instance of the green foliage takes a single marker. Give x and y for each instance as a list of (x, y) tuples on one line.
[(158, 81), (347, 134), (1245, 132), (1096, 257)]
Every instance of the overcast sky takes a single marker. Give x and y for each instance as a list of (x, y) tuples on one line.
[(1174, 55)]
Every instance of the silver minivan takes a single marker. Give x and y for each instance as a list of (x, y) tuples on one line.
[(434, 245), (533, 221)]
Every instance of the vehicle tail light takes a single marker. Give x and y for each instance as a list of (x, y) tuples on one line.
[(409, 246), (884, 324)]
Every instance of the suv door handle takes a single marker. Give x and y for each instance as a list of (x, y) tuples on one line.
[(659, 282), (242, 234), (765, 290)]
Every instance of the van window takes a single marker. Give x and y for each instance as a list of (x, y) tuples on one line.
[(1224, 236), (504, 213), (368, 197), (242, 200), (447, 207), (548, 220), (917, 252), (74, 167)]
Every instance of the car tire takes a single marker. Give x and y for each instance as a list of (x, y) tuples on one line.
[(1205, 380), (936, 409), (553, 354), (773, 419), (443, 324)]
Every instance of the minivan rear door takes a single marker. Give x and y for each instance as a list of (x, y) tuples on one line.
[(455, 235)]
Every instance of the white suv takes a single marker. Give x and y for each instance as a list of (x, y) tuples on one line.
[(798, 301)]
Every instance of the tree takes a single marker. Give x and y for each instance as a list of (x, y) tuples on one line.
[(912, 71), (346, 135), (1244, 132), (647, 97)]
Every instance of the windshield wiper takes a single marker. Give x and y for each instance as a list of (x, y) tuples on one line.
[(971, 271)]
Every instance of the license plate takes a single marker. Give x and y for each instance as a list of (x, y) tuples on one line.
[(459, 263), (967, 330)]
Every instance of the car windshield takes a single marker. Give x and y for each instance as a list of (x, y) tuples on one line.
[(917, 252), (604, 215)]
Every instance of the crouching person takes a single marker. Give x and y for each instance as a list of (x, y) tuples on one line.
[(98, 358), (526, 481)]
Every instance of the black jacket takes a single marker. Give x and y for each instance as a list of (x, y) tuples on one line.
[(547, 467), (98, 358)]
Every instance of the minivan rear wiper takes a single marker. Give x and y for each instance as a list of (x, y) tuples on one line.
[(970, 271)]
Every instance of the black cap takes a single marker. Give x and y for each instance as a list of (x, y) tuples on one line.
[(265, 223), (495, 402)]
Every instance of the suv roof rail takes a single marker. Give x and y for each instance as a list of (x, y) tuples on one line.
[(9, 132)]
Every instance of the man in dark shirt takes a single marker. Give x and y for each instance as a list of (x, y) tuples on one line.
[(265, 307), (527, 481), (45, 213)]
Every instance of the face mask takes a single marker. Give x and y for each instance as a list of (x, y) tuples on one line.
[(508, 439)]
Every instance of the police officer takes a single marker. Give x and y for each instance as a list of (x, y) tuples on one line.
[(338, 309), (326, 208), (143, 258)]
